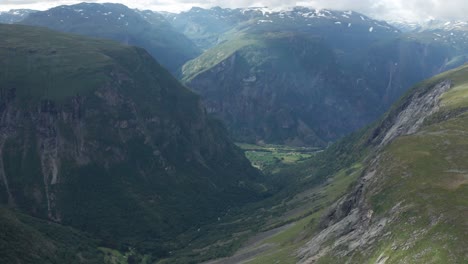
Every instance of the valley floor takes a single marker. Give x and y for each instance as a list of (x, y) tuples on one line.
[(272, 230)]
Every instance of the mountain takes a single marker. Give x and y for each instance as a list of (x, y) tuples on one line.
[(99, 137), (26, 239), (409, 204), (269, 87), (119, 23), (207, 26), (14, 15), (394, 192), (309, 77), (452, 33)]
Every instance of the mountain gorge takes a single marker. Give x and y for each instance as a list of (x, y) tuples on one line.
[(100, 137), (223, 136), (400, 186), (305, 76)]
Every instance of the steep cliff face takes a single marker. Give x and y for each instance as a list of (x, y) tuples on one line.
[(306, 76), (100, 137), (279, 87), (409, 206), (293, 89)]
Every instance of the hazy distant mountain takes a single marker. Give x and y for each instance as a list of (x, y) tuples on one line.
[(206, 26), (453, 33), (14, 15), (405, 26), (304, 76), (118, 22)]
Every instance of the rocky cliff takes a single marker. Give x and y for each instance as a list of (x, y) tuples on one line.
[(409, 204), (290, 88), (100, 137)]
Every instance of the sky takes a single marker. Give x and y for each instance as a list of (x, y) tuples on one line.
[(411, 10)]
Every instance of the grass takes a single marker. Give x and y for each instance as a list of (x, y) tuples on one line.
[(112, 256), (271, 158), (427, 173), (316, 201), (30, 240), (42, 64), (215, 55), (300, 208), (457, 96)]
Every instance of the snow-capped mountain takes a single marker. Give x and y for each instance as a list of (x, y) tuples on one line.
[(120, 23), (406, 26), (430, 25), (14, 15), (204, 26)]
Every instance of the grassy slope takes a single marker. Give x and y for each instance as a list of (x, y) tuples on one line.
[(253, 227), (427, 173), (216, 55), (24, 239), (306, 219), (113, 203), (164, 43), (283, 222), (43, 69)]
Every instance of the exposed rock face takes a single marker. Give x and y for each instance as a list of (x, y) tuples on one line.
[(350, 223), (411, 116), (351, 226), (133, 149), (293, 96), (286, 87)]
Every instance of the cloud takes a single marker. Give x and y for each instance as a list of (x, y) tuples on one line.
[(384, 9)]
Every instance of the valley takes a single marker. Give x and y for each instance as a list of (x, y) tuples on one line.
[(231, 135)]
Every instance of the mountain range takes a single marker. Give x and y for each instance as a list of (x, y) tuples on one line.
[(14, 15), (231, 136), (122, 24), (305, 76)]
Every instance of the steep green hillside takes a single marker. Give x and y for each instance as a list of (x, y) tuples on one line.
[(100, 137), (119, 23), (24, 239), (411, 203)]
